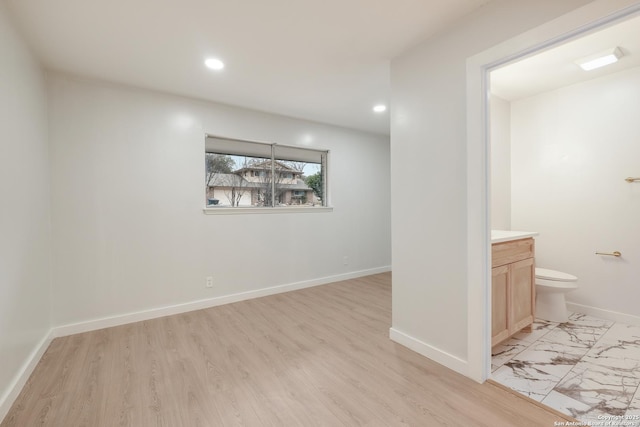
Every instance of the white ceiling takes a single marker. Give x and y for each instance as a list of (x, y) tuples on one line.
[(556, 68), (326, 61)]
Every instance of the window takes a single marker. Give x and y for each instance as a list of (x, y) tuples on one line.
[(243, 174)]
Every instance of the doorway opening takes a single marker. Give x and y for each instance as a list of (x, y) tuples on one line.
[(556, 137)]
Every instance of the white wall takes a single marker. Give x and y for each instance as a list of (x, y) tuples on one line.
[(500, 163), (571, 150), (128, 193), (428, 146), (25, 263)]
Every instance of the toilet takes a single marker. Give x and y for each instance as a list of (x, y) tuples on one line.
[(551, 286)]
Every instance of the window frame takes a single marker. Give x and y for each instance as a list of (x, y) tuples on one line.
[(274, 208)]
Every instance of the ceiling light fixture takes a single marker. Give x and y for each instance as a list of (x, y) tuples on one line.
[(214, 64), (380, 108), (601, 59)]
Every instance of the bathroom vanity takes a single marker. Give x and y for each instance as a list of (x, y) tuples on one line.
[(512, 283)]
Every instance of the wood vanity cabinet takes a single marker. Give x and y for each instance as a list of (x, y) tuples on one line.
[(513, 291)]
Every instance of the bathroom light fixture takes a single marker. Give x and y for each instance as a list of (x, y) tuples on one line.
[(214, 64), (380, 108), (601, 59)]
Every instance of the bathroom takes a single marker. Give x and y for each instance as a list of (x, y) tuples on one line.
[(561, 153)]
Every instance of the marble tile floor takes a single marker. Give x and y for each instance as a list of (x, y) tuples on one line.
[(588, 368)]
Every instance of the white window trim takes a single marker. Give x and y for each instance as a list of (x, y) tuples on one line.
[(275, 210)]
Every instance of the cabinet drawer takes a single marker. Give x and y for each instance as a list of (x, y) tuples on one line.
[(513, 251)]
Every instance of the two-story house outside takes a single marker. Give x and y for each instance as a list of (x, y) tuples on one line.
[(252, 185)]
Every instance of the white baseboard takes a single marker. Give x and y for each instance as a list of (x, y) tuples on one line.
[(615, 316), (430, 352), (23, 374), (117, 320)]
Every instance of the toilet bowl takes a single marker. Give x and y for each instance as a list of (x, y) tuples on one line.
[(551, 287)]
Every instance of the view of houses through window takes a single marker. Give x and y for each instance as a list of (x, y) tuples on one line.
[(235, 178)]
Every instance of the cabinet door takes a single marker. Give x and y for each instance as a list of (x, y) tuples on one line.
[(523, 297), (500, 297)]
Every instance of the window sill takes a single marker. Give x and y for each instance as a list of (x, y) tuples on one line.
[(277, 210)]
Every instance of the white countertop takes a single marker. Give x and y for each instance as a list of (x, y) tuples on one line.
[(498, 236)]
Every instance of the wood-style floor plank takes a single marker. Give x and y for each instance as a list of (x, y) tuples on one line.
[(315, 357)]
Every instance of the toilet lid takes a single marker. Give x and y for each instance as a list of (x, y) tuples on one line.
[(545, 273)]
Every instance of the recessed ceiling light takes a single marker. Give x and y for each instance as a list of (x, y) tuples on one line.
[(214, 64), (380, 108), (601, 59)]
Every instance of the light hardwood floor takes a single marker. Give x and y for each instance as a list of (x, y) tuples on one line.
[(315, 357)]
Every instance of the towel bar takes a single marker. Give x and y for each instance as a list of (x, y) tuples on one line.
[(614, 253)]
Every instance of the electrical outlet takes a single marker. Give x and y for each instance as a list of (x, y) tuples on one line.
[(345, 260), (209, 282)]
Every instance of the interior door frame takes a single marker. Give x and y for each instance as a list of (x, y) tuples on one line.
[(582, 21)]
